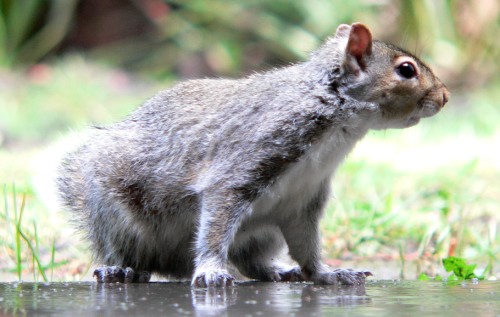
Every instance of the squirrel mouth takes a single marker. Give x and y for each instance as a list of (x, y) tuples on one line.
[(412, 121), (428, 108)]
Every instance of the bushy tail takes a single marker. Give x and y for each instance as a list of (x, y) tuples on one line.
[(71, 184)]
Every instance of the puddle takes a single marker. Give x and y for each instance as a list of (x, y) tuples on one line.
[(378, 298)]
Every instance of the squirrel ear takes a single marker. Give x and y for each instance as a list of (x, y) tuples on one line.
[(359, 44), (343, 30)]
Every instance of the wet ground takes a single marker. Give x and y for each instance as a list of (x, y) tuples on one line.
[(378, 298)]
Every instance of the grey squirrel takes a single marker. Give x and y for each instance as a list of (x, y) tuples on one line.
[(215, 171)]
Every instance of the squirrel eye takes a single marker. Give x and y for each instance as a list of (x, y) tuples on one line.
[(407, 70)]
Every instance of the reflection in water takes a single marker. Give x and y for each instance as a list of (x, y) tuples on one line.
[(341, 296), (250, 299), (280, 298), (213, 301)]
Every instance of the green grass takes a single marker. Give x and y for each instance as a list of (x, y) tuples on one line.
[(13, 216), (26, 249)]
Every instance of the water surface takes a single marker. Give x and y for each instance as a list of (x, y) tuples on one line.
[(377, 298)]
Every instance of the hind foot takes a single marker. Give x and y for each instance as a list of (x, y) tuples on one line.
[(275, 273), (292, 275), (116, 274), (341, 276)]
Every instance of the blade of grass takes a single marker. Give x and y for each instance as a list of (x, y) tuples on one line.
[(424, 242), (19, 19), (28, 242), (37, 249), (52, 257), (445, 233), (17, 220), (3, 40), (402, 248), (33, 269), (492, 234), (60, 15), (37, 259)]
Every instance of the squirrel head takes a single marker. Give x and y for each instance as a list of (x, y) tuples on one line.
[(401, 88)]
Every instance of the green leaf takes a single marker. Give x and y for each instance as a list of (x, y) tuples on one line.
[(461, 270), (423, 277)]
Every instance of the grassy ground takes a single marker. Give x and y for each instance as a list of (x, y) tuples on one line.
[(404, 199)]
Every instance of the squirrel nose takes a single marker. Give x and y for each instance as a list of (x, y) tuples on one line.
[(446, 96)]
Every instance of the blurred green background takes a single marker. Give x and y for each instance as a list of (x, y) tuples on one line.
[(411, 197)]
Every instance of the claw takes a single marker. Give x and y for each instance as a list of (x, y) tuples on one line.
[(342, 276), (116, 274), (218, 278)]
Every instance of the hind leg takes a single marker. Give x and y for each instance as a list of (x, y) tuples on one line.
[(256, 254), (118, 252)]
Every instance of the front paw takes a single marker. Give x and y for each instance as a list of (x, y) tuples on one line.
[(213, 278), (342, 277)]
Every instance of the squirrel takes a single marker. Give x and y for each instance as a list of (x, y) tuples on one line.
[(219, 172)]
